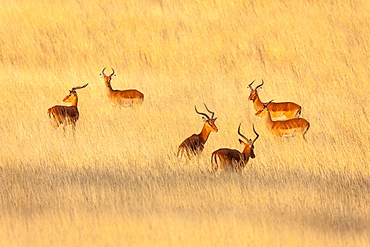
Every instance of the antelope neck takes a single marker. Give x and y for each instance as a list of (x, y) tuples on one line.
[(74, 102), (109, 89), (246, 150), (204, 134), (258, 105)]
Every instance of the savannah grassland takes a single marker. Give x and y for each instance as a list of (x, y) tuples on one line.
[(118, 182)]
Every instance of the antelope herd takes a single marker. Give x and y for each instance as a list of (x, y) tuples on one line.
[(284, 128), (282, 119)]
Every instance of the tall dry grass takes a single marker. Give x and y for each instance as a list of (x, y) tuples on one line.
[(118, 182)]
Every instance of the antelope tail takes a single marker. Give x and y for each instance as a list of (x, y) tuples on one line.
[(50, 114), (305, 131), (181, 153), (214, 163)]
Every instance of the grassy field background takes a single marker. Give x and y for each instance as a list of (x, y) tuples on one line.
[(118, 182)]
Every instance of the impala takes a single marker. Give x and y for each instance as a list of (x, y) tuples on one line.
[(126, 98), (232, 159), (280, 110), (66, 115), (288, 127), (194, 144)]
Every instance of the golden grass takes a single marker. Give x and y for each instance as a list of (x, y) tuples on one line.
[(118, 183)]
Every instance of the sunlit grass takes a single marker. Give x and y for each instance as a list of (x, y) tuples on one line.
[(117, 182)]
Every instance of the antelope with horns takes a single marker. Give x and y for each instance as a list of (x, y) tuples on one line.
[(66, 115), (194, 144), (279, 110), (125, 98), (232, 159), (288, 127)]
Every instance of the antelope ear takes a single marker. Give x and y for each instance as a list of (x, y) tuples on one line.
[(204, 119), (259, 88), (101, 75), (242, 142)]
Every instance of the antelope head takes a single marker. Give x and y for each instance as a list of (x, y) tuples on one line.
[(73, 94), (254, 92), (248, 143), (209, 122), (107, 78)]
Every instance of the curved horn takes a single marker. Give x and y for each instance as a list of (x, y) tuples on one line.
[(250, 85), (103, 72), (201, 113), (210, 111), (73, 89), (112, 73), (241, 133), (257, 135), (259, 85)]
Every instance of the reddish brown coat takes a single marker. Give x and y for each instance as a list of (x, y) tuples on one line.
[(232, 159), (125, 98), (289, 127), (278, 110), (194, 144), (66, 115)]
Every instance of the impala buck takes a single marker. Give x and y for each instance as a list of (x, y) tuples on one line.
[(125, 98), (232, 159), (288, 127), (194, 144), (279, 110), (66, 115)]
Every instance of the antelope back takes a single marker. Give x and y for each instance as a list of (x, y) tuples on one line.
[(227, 159), (128, 94), (63, 114), (284, 110)]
